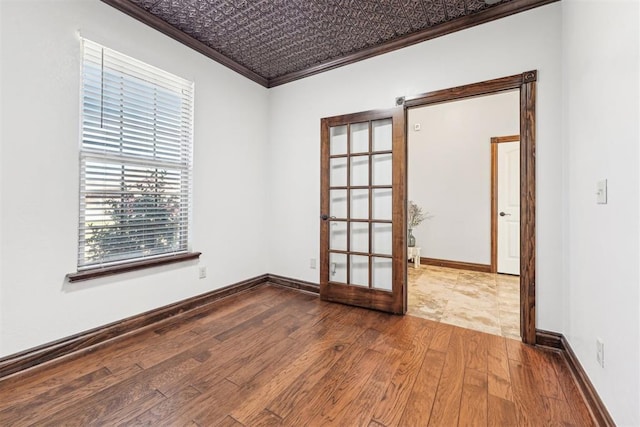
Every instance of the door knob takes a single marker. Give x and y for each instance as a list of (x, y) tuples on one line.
[(325, 217), (504, 214)]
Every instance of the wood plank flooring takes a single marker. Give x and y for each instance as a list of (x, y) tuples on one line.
[(274, 356)]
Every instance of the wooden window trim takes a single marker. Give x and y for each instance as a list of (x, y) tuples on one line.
[(98, 272)]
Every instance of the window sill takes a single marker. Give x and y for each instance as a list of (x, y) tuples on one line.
[(95, 273)]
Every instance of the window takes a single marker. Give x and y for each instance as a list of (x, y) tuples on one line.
[(135, 160)]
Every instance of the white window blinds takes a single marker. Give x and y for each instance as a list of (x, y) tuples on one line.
[(135, 160)]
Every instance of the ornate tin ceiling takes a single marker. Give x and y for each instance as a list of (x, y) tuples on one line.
[(277, 40)]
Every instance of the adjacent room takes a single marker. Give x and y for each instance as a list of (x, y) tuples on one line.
[(375, 213), (464, 187)]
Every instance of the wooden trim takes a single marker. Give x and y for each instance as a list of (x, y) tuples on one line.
[(528, 209), (300, 285), (370, 207), (460, 265), (596, 407), (86, 340), (494, 196), (549, 339), (496, 12), (349, 192), (158, 24), (501, 139), (526, 84), (363, 116), (468, 91), (325, 195), (399, 210), (95, 273)]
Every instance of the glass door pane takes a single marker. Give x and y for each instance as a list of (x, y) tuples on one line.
[(359, 270), (381, 243), (359, 171), (382, 274), (359, 237), (338, 142), (381, 169), (338, 203), (382, 135), (338, 172), (359, 137), (338, 235)]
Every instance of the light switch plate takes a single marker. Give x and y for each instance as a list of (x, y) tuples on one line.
[(601, 192)]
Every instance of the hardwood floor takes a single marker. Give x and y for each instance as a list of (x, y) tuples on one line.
[(274, 356)]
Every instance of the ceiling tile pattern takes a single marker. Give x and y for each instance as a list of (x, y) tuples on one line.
[(277, 37)]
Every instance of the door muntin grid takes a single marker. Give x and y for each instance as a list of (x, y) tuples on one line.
[(360, 204)]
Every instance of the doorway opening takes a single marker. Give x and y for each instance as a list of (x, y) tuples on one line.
[(452, 160), (523, 87)]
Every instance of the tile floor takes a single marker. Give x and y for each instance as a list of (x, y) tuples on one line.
[(480, 301)]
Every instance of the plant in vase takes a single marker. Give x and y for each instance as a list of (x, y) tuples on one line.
[(415, 216)]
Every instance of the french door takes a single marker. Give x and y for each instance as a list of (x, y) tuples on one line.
[(363, 215)]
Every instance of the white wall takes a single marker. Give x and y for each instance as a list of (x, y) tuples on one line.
[(497, 49), (39, 173), (601, 109), (1, 205), (449, 172)]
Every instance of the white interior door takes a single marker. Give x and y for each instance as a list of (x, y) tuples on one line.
[(509, 208)]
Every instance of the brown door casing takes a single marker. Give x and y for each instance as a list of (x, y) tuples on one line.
[(526, 83), (342, 288)]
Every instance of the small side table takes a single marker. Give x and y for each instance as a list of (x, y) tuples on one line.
[(413, 254)]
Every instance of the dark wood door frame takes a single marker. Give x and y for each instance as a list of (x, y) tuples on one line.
[(494, 196), (526, 84)]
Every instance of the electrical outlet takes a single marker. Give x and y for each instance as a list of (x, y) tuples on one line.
[(600, 352), (312, 263), (202, 272)]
